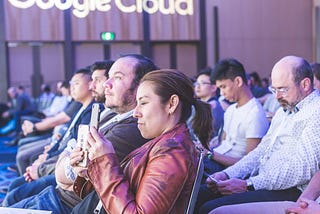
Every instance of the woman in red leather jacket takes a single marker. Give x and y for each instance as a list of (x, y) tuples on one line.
[(158, 176)]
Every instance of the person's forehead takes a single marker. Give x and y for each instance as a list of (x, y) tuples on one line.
[(203, 76), (98, 73), (77, 77), (282, 74)]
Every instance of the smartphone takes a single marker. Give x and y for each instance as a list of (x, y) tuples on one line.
[(83, 132), (210, 177), (95, 114)]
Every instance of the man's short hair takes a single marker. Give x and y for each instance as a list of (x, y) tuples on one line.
[(303, 70), (228, 69), (143, 66), (102, 65)]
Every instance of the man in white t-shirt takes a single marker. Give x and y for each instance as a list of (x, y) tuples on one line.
[(245, 122)]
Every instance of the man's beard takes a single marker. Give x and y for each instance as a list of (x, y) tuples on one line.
[(128, 100), (100, 98)]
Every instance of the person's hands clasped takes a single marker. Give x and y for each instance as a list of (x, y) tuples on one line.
[(304, 206), (231, 186), (219, 176)]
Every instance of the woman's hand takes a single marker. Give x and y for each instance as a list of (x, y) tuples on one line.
[(97, 145), (304, 206)]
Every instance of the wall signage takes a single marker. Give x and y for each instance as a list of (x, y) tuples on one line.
[(81, 8)]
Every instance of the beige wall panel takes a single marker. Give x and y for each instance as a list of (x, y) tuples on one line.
[(176, 27), (259, 33), (33, 24), (127, 26), (87, 53), (187, 59), (118, 49), (21, 66), (161, 55), (52, 63)]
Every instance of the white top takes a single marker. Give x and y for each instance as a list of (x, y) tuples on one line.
[(240, 123), (289, 154)]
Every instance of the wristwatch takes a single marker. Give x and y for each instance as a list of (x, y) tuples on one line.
[(250, 186), (210, 155)]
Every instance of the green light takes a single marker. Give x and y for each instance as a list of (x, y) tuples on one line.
[(107, 36)]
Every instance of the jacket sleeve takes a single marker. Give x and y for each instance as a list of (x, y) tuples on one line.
[(162, 180)]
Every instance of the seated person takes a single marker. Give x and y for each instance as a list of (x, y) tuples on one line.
[(158, 176), (288, 155), (80, 91), (306, 203), (45, 98), (206, 91), (244, 121), (22, 105), (120, 129), (60, 101), (271, 106), (316, 74)]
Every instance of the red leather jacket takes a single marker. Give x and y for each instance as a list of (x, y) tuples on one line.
[(155, 178)]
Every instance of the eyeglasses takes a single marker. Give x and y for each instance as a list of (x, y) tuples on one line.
[(201, 83), (280, 91)]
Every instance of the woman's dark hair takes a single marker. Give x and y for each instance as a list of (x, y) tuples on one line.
[(166, 83)]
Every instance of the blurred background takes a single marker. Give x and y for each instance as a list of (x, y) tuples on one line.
[(44, 41)]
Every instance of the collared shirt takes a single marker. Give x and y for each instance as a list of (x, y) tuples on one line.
[(289, 154)]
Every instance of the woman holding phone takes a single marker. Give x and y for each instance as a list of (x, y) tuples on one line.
[(158, 176)]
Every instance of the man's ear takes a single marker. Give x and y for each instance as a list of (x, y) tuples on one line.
[(173, 103), (306, 84), (238, 81)]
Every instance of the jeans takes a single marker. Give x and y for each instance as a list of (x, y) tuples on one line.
[(19, 189), (47, 199), (26, 153)]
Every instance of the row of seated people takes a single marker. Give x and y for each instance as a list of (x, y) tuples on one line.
[(22, 107), (156, 176)]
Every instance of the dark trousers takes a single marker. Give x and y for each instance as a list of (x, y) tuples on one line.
[(88, 204), (208, 201)]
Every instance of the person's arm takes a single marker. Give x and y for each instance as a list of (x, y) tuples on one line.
[(295, 165), (46, 124), (227, 160), (156, 182)]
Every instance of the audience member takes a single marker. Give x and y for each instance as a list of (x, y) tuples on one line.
[(287, 157), (60, 101), (118, 129), (22, 105), (244, 121), (316, 74), (306, 203), (158, 176), (206, 91), (80, 92), (45, 99), (254, 83)]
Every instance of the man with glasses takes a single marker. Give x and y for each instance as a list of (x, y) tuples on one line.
[(287, 157)]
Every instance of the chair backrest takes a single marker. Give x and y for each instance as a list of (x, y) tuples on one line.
[(196, 187)]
